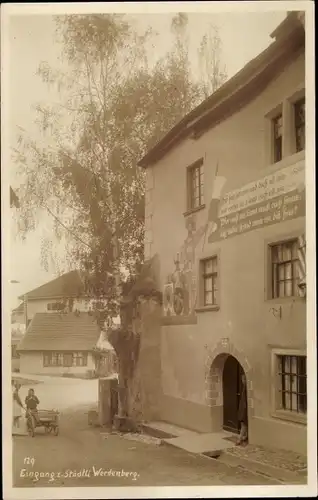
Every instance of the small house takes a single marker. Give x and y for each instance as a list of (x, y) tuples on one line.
[(61, 343)]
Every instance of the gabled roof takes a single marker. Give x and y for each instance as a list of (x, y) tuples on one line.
[(239, 90), (66, 286), (61, 332), (19, 309)]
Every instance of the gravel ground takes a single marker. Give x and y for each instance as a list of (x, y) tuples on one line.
[(287, 460), (80, 456)]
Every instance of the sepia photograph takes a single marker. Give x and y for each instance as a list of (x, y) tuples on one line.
[(158, 220)]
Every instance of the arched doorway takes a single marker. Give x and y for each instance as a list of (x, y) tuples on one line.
[(232, 391)]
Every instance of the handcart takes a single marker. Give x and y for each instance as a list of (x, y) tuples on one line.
[(49, 419)]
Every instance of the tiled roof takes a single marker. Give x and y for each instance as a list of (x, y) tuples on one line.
[(61, 332), (68, 285)]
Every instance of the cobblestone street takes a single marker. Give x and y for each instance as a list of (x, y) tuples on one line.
[(81, 456), (287, 460)]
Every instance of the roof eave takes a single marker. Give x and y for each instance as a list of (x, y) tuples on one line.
[(54, 297), (254, 69), (63, 295), (285, 28), (90, 349)]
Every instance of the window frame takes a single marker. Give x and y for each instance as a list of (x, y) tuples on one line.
[(275, 279), (276, 405), (202, 307), (50, 306), (286, 109), (79, 356), (57, 359), (268, 243), (68, 355), (207, 275), (274, 119), (197, 165), (286, 376), (294, 104)]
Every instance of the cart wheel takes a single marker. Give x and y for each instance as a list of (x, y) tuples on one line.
[(30, 428), (56, 430), (31, 431), (47, 429)]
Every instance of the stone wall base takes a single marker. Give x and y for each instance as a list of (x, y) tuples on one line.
[(275, 433), (268, 432), (191, 415)]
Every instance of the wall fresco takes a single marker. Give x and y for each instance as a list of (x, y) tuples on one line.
[(180, 290), (272, 199)]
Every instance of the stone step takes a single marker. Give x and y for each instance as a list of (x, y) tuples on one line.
[(165, 430), (279, 474), (208, 443)]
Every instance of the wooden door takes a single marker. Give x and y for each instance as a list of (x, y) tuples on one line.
[(232, 387)]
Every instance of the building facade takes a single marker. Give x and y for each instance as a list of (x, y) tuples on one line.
[(68, 343), (62, 335), (57, 363), (65, 293), (17, 314), (230, 179), (16, 337)]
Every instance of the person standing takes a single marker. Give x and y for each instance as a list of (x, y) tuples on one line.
[(17, 405), (31, 402), (242, 413)]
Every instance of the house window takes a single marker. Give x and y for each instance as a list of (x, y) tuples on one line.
[(64, 359), (56, 359), (68, 359), (299, 114), (55, 306), (292, 372), (277, 130), (79, 359), (195, 186), (285, 276), (46, 360), (210, 282)]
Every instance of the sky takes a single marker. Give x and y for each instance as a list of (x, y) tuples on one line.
[(31, 41)]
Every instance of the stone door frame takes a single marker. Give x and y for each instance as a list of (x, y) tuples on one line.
[(214, 370)]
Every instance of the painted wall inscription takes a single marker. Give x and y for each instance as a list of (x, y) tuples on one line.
[(275, 198), (279, 183)]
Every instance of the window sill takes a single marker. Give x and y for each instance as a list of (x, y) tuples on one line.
[(285, 300), (207, 308), (287, 160), (194, 210), (295, 418)]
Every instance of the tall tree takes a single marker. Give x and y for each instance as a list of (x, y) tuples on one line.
[(213, 71), (113, 107)]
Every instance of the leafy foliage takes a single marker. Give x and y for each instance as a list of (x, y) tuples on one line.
[(113, 107)]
